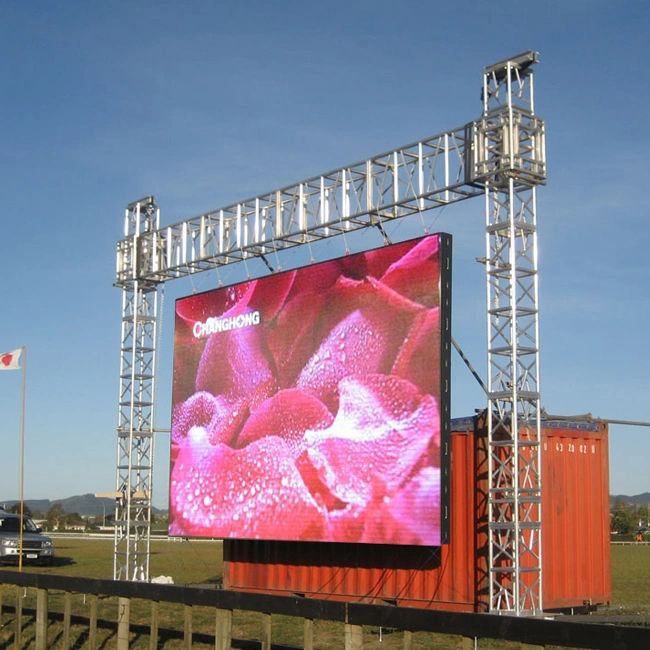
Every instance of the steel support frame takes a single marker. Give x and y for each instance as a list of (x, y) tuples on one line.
[(502, 157), (430, 173), (135, 429), (511, 160)]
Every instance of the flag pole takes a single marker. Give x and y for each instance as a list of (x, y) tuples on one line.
[(22, 464)]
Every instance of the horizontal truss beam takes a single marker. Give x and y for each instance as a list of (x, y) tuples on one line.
[(431, 173)]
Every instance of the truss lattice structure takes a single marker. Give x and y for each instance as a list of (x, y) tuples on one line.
[(426, 174), (135, 428), (501, 157), (511, 162)]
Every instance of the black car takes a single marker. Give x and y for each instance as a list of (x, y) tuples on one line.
[(37, 548)]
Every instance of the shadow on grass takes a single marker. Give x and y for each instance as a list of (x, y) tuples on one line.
[(61, 560), (213, 582), (57, 561), (84, 637)]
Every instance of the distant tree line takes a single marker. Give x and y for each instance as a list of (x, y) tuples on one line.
[(57, 519), (626, 518), (54, 519)]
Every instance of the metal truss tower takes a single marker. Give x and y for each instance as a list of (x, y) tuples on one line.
[(501, 157), (511, 162), (135, 428)]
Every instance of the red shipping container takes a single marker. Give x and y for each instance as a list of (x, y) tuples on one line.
[(575, 537), (575, 514)]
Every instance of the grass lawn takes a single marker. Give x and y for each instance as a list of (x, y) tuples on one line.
[(200, 562), (186, 562), (631, 577)]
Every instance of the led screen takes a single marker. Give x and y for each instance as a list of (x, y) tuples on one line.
[(311, 405)]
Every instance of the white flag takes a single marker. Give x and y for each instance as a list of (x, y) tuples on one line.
[(10, 360)]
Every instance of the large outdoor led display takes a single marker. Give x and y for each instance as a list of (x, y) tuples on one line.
[(313, 404)]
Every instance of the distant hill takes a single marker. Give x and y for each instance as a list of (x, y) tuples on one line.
[(637, 500), (86, 505)]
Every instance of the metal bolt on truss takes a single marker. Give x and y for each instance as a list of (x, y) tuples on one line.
[(501, 157)]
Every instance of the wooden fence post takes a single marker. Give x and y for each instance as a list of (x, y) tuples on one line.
[(41, 619), (223, 632), (309, 634), (408, 640), (92, 623), (18, 635), (187, 636), (153, 628), (123, 616), (353, 637), (67, 617), (266, 632)]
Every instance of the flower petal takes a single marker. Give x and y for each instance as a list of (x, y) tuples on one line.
[(288, 414), (417, 274), (237, 365), (295, 335), (418, 359), (383, 429), (364, 325), (254, 492)]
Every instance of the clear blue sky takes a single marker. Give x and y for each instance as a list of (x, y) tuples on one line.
[(204, 104)]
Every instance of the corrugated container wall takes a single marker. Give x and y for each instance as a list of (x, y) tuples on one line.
[(575, 514), (575, 545)]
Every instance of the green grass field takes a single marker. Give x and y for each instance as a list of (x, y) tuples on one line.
[(185, 561), (631, 578), (194, 562)]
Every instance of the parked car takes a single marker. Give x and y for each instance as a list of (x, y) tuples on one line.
[(37, 548)]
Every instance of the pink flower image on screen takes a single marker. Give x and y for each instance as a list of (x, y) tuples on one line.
[(306, 404)]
